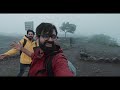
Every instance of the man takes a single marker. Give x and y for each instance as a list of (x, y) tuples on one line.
[(48, 50), (28, 42)]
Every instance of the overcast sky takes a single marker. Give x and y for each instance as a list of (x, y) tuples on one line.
[(87, 24)]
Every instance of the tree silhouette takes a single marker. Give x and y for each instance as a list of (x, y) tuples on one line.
[(66, 27)]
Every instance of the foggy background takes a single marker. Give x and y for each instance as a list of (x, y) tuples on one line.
[(87, 24), (95, 56)]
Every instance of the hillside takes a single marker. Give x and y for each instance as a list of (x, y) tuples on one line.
[(5, 42)]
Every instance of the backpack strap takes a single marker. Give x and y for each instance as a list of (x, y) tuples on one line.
[(23, 45), (35, 44), (48, 64)]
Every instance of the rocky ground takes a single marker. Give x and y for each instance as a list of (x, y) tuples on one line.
[(88, 68), (10, 66)]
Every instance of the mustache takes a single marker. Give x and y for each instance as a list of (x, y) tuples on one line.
[(47, 49), (49, 42), (31, 36)]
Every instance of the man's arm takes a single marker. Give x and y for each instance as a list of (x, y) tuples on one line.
[(2, 56), (8, 53), (26, 51), (19, 47), (60, 67), (11, 52)]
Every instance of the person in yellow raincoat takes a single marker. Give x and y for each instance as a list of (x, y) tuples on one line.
[(25, 61)]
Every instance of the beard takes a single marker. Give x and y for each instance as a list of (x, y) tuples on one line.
[(48, 47), (30, 37)]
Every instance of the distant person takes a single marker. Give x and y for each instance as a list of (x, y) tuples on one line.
[(47, 54), (28, 43)]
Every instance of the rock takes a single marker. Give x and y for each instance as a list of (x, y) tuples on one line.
[(107, 60), (115, 60)]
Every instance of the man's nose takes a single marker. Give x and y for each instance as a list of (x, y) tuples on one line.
[(31, 35), (50, 39)]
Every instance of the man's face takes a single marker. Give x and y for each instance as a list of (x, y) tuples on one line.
[(30, 35), (48, 38), (48, 41)]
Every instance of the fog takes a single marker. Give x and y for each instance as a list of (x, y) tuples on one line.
[(87, 24)]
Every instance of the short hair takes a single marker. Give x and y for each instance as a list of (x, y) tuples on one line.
[(30, 31), (44, 28)]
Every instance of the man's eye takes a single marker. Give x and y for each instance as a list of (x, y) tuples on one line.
[(45, 36), (54, 36)]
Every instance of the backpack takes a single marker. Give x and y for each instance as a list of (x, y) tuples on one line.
[(25, 41), (48, 66), (72, 67)]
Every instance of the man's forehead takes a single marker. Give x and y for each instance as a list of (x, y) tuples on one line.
[(51, 33), (30, 32)]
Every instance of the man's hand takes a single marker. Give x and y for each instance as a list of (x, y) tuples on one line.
[(2, 56), (17, 46)]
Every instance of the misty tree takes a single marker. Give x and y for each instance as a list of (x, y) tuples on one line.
[(66, 27), (103, 39)]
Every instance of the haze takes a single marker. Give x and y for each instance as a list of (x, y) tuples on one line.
[(87, 24)]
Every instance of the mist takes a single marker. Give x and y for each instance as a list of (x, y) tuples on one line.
[(87, 24)]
